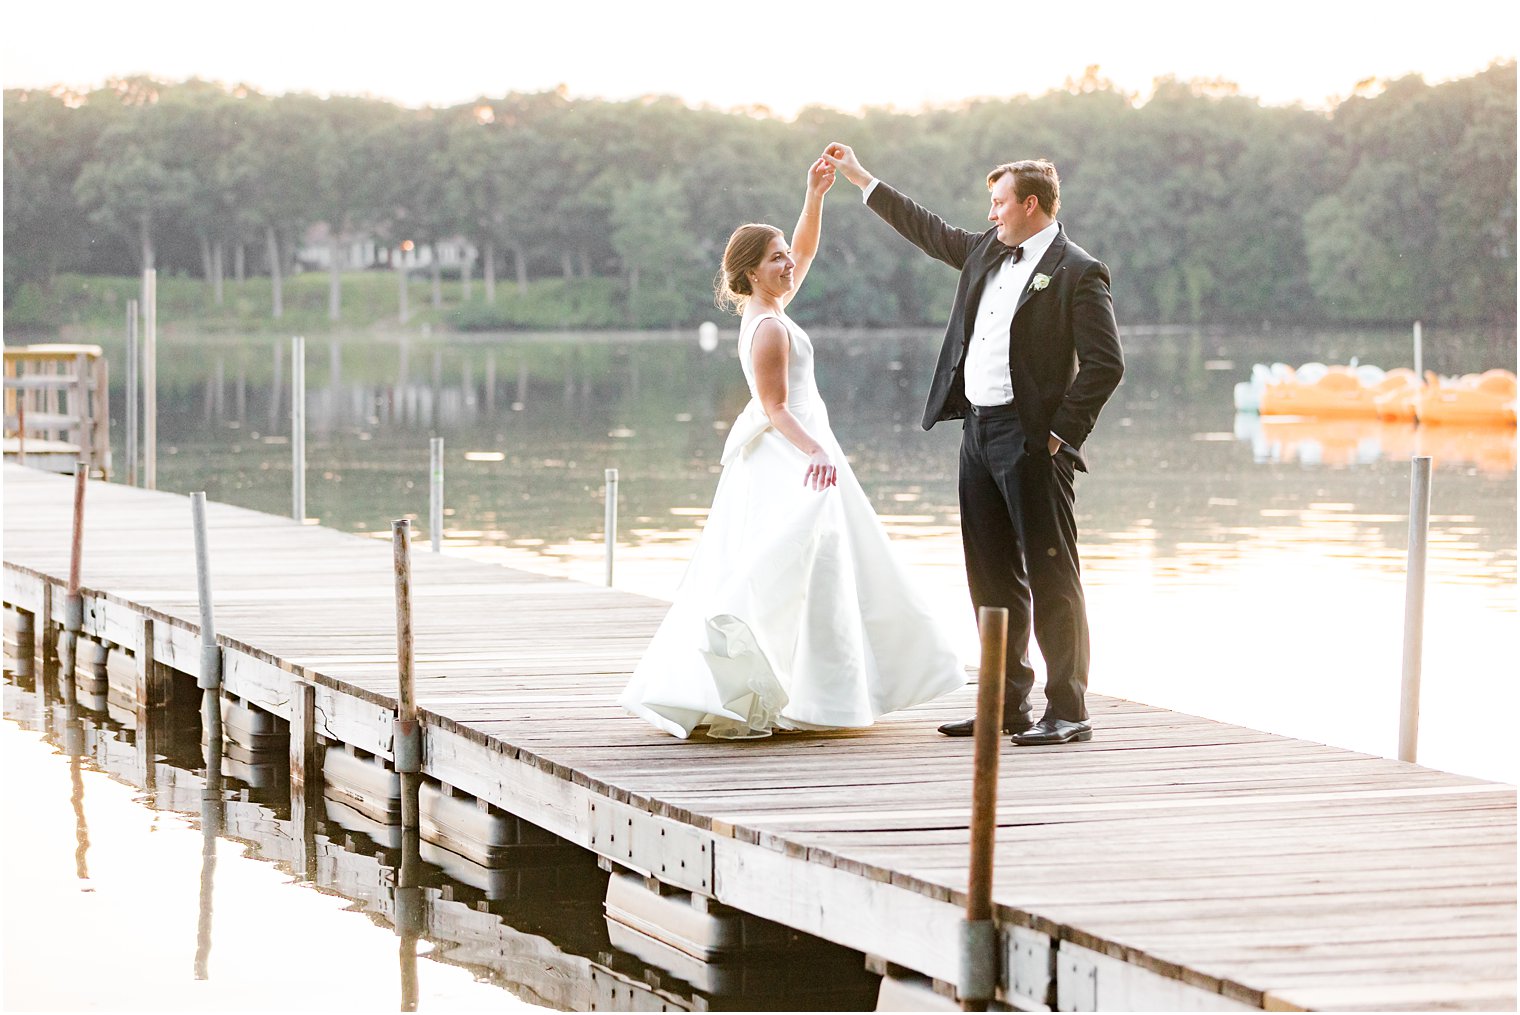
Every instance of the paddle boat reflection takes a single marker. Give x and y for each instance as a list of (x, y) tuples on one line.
[(1346, 442)]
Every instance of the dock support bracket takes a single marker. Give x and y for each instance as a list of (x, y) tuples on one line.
[(1076, 981), (1029, 962)]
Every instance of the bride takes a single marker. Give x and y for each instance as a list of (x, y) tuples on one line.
[(793, 613)]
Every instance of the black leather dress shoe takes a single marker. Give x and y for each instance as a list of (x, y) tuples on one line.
[(1053, 731), (967, 727)]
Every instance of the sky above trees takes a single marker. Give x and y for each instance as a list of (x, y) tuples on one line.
[(782, 56)]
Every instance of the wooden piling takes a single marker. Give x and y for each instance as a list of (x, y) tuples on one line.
[(979, 960), (43, 644), (76, 546), (73, 604), (150, 696), (152, 689), (305, 774)]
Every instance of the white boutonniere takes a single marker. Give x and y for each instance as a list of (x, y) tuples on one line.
[(1039, 282)]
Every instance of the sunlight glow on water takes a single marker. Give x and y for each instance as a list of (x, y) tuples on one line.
[(274, 946)]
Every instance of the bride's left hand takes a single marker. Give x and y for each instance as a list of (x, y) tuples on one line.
[(820, 177)]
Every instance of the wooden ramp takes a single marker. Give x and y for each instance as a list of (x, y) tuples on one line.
[(1171, 863)]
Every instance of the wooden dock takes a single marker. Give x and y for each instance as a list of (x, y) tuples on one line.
[(1171, 863)]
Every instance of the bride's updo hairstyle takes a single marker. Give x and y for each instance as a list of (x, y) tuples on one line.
[(746, 249)]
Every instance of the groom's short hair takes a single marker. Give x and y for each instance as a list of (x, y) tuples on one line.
[(1032, 176)]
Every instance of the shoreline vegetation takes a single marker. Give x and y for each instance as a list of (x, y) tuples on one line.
[(278, 213)]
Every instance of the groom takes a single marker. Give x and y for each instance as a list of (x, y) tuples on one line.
[(1030, 355)]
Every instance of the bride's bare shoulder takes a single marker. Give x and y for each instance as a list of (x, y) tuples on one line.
[(764, 325)]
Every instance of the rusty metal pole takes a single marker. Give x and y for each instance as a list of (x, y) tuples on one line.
[(979, 952), (73, 607), (73, 602), (408, 739), (21, 426)]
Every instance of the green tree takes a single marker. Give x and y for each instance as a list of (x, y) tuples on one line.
[(47, 142), (652, 238), (136, 179)]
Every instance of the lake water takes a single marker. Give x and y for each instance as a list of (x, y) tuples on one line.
[(1241, 569), (1247, 570)]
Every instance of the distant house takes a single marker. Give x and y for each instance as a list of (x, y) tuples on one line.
[(315, 252)]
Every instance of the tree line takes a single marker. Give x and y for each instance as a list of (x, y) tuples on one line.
[(1207, 205)]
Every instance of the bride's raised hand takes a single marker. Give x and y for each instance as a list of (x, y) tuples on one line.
[(820, 177), (821, 472)]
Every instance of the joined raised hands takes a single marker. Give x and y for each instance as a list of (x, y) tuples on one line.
[(842, 157), (820, 177)]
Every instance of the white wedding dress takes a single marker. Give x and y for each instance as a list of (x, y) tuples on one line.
[(793, 613)]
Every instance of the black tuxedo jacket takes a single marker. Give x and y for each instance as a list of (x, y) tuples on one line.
[(1063, 351)]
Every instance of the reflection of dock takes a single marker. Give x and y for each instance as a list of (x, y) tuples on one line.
[(1171, 862)]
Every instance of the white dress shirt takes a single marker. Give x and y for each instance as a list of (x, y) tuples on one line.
[(987, 379)]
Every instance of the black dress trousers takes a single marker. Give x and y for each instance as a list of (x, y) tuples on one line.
[(1018, 526)]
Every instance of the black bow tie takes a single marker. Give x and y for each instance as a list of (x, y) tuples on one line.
[(1016, 254)]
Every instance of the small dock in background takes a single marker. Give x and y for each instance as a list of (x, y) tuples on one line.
[(57, 408), (1172, 862)]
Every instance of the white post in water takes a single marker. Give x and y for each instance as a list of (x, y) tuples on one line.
[(1414, 608), (150, 379), (611, 520), (211, 657), (298, 428), (1419, 353), (134, 409), (435, 495)]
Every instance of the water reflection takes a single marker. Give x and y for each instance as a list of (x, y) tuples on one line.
[(654, 408), (1351, 442), (73, 739), (459, 933), (212, 823)]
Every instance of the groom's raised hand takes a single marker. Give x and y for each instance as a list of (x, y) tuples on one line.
[(842, 157)]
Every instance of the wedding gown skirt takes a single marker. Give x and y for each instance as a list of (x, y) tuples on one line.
[(793, 613)]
